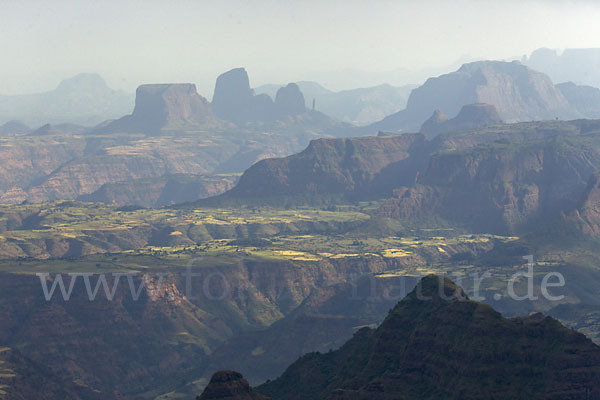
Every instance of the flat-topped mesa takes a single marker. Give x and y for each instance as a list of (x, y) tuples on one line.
[(171, 104), (167, 106), (471, 116), (332, 167)]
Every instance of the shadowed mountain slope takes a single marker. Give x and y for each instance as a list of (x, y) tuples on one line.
[(229, 385), (333, 167), (436, 343)]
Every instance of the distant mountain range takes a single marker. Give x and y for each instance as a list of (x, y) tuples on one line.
[(83, 99), (241, 127), (356, 106), (518, 93), (437, 343), (502, 178), (581, 66)]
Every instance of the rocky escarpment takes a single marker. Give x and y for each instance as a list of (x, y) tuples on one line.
[(229, 385), (235, 101), (164, 335), (517, 92), (25, 160), (586, 216), (434, 332), (586, 99), (165, 107), (471, 116), (501, 187), (326, 319), (334, 167)]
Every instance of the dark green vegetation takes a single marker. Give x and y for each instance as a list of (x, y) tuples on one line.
[(436, 343), (229, 385)]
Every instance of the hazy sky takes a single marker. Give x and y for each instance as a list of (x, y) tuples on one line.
[(136, 41)]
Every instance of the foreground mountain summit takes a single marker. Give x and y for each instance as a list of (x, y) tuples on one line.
[(437, 343)]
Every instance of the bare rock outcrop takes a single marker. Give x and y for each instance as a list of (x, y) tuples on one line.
[(176, 106), (289, 100)]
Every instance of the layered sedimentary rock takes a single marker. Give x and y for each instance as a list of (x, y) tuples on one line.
[(159, 107), (517, 92), (354, 166)]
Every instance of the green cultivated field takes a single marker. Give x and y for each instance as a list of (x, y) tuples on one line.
[(73, 236)]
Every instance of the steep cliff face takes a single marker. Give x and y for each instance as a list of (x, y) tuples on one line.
[(235, 101), (501, 187), (26, 159), (434, 332), (165, 107), (517, 92), (326, 319), (233, 98), (586, 99), (586, 215), (332, 167), (471, 116), (165, 335), (289, 100)]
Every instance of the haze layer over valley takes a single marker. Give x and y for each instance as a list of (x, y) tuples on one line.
[(282, 200)]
